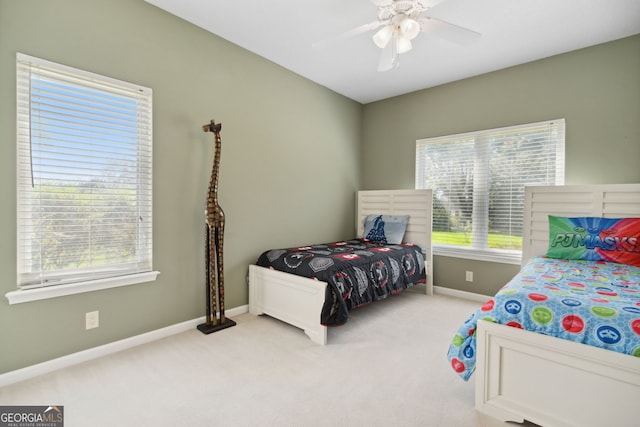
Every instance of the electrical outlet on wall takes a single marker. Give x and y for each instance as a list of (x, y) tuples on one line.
[(469, 276), (92, 319)]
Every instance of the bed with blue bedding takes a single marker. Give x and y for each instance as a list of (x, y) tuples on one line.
[(591, 302), (560, 343)]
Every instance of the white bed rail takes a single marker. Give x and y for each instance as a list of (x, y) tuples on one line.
[(553, 382)]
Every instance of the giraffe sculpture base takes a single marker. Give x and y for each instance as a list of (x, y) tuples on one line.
[(206, 328)]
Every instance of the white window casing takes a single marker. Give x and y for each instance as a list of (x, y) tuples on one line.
[(478, 181), (84, 178)]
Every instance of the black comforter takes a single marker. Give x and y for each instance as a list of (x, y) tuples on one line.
[(358, 272)]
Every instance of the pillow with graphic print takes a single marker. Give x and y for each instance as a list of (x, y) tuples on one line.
[(385, 228), (595, 239)]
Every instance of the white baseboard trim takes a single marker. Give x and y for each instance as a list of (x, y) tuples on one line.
[(461, 294), (106, 349)]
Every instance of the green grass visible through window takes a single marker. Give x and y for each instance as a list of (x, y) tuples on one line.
[(496, 241)]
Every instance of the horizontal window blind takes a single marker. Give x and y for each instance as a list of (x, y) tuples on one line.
[(84, 164), (478, 179)]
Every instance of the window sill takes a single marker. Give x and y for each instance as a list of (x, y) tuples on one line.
[(502, 256), (27, 295)]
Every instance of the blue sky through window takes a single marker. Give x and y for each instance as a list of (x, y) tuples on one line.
[(71, 123)]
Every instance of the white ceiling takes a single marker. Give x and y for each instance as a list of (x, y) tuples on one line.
[(513, 32)]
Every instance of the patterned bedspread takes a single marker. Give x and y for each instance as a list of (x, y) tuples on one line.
[(590, 302), (358, 272)]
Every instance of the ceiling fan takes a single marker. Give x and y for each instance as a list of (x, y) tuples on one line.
[(401, 22)]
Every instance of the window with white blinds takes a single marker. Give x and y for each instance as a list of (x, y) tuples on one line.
[(84, 166), (478, 181)]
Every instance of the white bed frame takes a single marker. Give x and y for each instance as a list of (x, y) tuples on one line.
[(549, 381), (298, 300)]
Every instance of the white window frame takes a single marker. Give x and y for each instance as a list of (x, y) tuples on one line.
[(34, 281), (479, 249)]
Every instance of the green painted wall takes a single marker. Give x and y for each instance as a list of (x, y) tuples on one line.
[(597, 91), (280, 133), (287, 144)]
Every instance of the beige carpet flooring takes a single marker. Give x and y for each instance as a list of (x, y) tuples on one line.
[(386, 367)]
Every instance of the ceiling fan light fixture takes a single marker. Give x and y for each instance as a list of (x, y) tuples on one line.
[(383, 36), (404, 44), (410, 28)]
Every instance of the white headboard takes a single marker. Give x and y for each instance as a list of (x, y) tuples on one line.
[(607, 200), (415, 203)]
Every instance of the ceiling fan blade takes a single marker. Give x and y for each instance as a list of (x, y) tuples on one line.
[(433, 3), (447, 31), (347, 35), (389, 55)]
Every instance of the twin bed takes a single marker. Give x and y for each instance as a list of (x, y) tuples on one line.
[(548, 375), (559, 345), (312, 304)]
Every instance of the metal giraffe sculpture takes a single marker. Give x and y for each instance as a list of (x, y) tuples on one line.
[(214, 245)]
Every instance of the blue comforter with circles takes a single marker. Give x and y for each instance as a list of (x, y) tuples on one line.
[(591, 302)]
